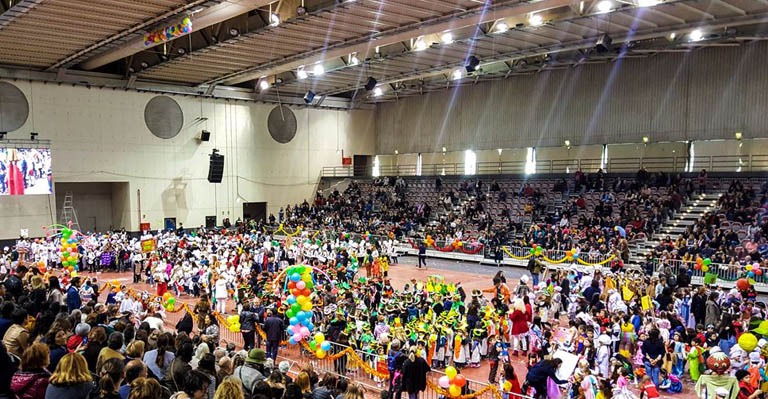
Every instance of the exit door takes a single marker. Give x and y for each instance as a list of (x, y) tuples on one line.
[(255, 211), (363, 167)]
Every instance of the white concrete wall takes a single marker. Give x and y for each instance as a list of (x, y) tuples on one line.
[(100, 136)]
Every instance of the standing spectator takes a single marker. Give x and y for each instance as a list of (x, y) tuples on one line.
[(32, 380), (248, 327), (252, 371), (14, 288), (273, 326), (422, 255), (653, 353), (415, 371), (221, 295), (73, 295), (703, 181)]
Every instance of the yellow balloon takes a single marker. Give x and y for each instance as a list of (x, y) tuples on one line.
[(749, 268), (319, 338), (320, 353), (451, 372), (454, 390), (748, 341), (306, 306)]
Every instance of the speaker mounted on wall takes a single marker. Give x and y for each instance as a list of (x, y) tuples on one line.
[(215, 167), (205, 135)]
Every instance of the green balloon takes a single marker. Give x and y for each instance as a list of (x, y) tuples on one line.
[(310, 285), (290, 313), (65, 254), (300, 269), (313, 345), (295, 307)]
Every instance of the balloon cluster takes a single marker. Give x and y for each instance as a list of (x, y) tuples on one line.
[(429, 241), (319, 345), (573, 254), (453, 381), (743, 284), (169, 32), (299, 313), (169, 301), (233, 323), (703, 264), (536, 250), (753, 270), (68, 250), (457, 244)]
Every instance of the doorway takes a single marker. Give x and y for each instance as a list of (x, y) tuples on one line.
[(255, 211), (169, 224), (362, 166)]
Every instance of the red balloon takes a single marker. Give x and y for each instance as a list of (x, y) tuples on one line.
[(758, 272), (306, 292), (291, 285), (296, 292), (459, 380), (742, 284)]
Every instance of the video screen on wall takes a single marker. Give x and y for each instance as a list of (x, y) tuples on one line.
[(25, 171)]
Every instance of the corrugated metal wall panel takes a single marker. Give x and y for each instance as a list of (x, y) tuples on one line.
[(705, 94)]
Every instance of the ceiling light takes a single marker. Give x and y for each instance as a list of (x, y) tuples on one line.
[(737, 135), (181, 50), (263, 84), (696, 35), (604, 6), (501, 27), (274, 19), (377, 91), (567, 143), (318, 69), (672, 36), (446, 38), (443, 149), (353, 60), (144, 65), (419, 44), (457, 74), (647, 3), (536, 20), (234, 32), (301, 73), (397, 152), (646, 139)]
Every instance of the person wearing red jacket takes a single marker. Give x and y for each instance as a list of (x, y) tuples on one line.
[(519, 320)]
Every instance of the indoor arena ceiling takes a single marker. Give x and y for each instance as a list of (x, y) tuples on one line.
[(333, 48)]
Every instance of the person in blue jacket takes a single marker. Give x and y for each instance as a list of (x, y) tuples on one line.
[(538, 374), (73, 295)]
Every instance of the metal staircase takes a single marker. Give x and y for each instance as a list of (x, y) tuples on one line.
[(68, 213), (688, 215)]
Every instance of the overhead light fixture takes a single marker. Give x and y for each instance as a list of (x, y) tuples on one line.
[(446, 38), (501, 27), (33, 136), (646, 139), (318, 69), (647, 3), (420, 44), (353, 60), (499, 150), (568, 143), (377, 91), (234, 32), (144, 65), (604, 6), (301, 73), (274, 19), (263, 84), (696, 35), (457, 74), (536, 20), (737, 135), (309, 97), (472, 64), (672, 36), (443, 149), (181, 50), (397, 152), (370, 84)]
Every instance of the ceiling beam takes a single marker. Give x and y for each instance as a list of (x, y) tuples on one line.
[(571, 46), (402, 34), (201, 20), (17, 10)]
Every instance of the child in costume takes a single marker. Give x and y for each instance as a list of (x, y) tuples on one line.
[(695, 358), (670, 383)]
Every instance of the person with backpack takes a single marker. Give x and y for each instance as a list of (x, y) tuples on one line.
[(534, 267)]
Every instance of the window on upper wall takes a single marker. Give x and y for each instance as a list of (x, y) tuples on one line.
[(470, 162), (418, 165), (530, 161), (376, 169)]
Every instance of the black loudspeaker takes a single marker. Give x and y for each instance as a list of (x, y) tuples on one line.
[(205, 136), (472, 64), (604, 44), (370, 84), (216, 168), (210, 222), (309, 97)]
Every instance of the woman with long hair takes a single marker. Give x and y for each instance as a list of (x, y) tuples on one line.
[(55, 293), (276, 385), (510, 386), (32, 380), (354, 391), (159, 360), (56, 338), (210, 330), (71, 379), (111, 376), (538, 375), (415, 370), (302, 381), (97, 340)]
